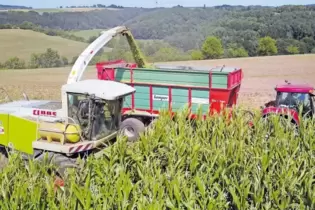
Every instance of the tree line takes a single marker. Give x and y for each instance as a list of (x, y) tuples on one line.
[(154, 51), (7, 7), (48, 59), (212, 48), (97, 6), (25, 25), (239, 27)]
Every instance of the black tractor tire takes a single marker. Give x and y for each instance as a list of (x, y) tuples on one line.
[(288, 126), (131, 128), (248, 117), (3, 158), (60, 161)]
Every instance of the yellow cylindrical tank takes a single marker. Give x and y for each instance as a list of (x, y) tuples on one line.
[(69, 133)]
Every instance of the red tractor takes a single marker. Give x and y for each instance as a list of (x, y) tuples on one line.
[(292, 101)]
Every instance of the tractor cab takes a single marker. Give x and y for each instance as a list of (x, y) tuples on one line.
[(294, 96), (290, 98)]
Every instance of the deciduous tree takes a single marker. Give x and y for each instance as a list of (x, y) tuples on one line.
[(267, 46), (212, 48)]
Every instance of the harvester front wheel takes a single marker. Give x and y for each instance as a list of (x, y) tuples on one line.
[(3, 158), (60, 161)]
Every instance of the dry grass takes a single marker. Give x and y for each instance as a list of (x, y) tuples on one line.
[(261, 75), (22, 43)]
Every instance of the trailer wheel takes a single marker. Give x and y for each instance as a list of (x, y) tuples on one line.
[(3, 158), (132, 127)]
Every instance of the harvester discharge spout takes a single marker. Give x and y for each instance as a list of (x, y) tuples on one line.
[(87, 55)]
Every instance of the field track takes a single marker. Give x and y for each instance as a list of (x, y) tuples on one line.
[(261, 74)]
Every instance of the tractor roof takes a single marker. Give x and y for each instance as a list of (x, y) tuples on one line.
[(108, 90), (294, 88)]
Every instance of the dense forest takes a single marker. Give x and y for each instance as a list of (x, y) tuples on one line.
[(8, 7), (240, 29)]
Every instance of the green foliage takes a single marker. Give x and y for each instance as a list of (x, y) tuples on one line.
[(285, 44), (186, 28), (293, 49), (34, 61), (212, 48), (65, 60), (196, 55), (14, 63), (267, 46), (217, 165), (234, 51), (169, 54), (37, 28), (27, 25), (74, 59), (49, 59), (309, 42), (92, 39), (239, 25), (313, 50)]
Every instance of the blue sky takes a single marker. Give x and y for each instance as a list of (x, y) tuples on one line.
[(150, 3)]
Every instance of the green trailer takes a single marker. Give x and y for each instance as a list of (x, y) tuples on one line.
[(172, 87)]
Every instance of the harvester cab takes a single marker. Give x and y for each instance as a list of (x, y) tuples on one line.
[(292, 99), (94, 106)]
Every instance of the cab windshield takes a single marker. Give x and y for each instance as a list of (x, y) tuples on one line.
[(294, 100), (97, 118)]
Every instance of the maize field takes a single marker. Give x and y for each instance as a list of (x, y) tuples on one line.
[(211, 164)]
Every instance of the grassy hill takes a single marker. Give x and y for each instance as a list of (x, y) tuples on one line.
[(22, 43), (86, 34)]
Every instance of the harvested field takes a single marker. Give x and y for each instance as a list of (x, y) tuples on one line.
[(261, 74)]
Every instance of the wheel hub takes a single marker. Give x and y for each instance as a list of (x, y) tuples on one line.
[(129, 131)]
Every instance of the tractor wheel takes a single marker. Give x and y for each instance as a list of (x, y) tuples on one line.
[(268, 125), (283, 122), (151, 125), (60, 161), (248, 117), (132, 127), (3, 158)]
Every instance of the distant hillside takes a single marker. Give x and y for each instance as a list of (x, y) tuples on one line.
[(22, 43), (293, 27), (8, 7)]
